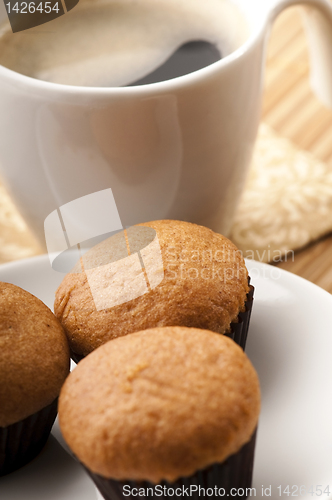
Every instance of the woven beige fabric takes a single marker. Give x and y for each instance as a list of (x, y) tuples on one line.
[(16, 241), (287, 201)]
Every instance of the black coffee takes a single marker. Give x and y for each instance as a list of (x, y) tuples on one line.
[(190, 57)]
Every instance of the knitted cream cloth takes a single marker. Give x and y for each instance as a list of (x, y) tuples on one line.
[(286, 204), (287, 201), (16, 241)]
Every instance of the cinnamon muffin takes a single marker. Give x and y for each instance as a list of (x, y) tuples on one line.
[(161, 273), (170, 404), (34, 362)]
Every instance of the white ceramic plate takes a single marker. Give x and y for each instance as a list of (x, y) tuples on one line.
[(290, 344)]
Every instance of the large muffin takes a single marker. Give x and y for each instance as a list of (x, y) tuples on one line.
[(201, 282), (160, 404), (34, 362)]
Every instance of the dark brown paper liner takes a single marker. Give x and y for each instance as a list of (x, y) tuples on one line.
[(22, 441), (239, 329), (234, 474)]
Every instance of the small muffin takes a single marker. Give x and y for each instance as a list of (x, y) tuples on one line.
[(162, 405), (162, 273), (34, 362)]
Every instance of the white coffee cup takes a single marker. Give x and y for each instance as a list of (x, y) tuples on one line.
[(183, 154)]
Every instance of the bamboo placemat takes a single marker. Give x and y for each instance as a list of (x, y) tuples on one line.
[(290, 107), (293, 111)]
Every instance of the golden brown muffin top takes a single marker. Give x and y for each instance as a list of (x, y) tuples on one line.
[(34, 355), (160, 404), (203, 285)]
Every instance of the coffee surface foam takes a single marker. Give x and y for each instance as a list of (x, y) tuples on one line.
[(113, 43)]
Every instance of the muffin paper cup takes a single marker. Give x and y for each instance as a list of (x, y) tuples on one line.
[(22, 441), (76, 357), (239, 329), (216, 481)]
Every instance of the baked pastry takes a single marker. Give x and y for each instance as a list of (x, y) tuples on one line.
[(34, 362), (163, 404), (192, 277)]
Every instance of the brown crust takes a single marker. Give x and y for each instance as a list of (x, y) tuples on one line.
[(160, 404), (204, 286), (34, 355)]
